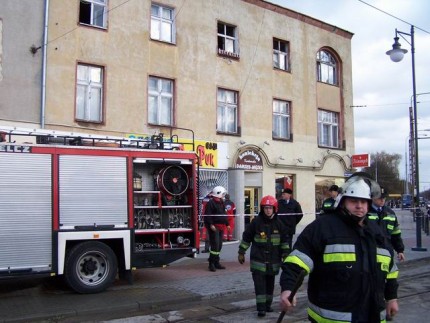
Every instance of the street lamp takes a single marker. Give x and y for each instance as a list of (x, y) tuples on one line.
[(396, 54)]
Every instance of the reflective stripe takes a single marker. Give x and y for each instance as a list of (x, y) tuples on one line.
[(384, 258), (390, 226), (339, 253), (389, 218), (244, 245), (394, 272), (215, 253), (326, 316), (321, 315), (373, 217), (258, 266), (300, 259)]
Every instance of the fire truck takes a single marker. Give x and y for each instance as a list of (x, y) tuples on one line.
[(91, 207)]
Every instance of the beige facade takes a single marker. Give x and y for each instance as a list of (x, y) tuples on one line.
[(128, 56)]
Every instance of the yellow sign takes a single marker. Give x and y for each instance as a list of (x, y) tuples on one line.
[(206, 151)]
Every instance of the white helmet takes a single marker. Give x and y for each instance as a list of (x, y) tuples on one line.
[(359, 187), (219, 191)]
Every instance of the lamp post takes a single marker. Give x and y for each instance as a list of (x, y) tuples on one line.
[(396, 54)]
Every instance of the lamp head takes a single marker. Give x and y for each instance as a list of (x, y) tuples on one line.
[(396, 54)]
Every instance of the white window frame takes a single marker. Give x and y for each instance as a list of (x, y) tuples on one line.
[(328, 129), (158, 112), (281, 122), (89, 93), (227, 39), (326, 68), (280, 57), (163, 23), (100, 5), (227, 111)]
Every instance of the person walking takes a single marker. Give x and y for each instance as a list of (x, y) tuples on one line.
[(387, 219), (289, 212), (328, 203), (268, 239), (216, 222), (230, 208), (351, 267)]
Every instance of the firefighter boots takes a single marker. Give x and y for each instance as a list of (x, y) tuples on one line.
[(212, 266), (218, 265)]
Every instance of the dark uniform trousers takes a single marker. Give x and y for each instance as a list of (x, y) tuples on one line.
[(264, 286)]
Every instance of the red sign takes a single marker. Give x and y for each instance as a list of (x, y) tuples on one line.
[(362, 160)]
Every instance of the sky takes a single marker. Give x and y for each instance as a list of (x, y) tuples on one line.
[(382, 89)]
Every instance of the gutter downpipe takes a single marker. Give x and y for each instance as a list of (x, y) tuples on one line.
[(44, 55)]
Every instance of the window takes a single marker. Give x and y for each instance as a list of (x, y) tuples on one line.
[(326, 68), (281, 119), (93, 12), (89, 93), (160, 101), (280, 54), (227, 109), (227, 40), (162, 23), (328, 129)]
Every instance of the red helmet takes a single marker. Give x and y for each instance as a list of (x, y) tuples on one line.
[(269, 200)]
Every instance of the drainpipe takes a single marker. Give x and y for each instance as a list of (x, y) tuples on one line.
[(44, 51)]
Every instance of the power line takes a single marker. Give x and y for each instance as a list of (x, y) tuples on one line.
[(389, 14)]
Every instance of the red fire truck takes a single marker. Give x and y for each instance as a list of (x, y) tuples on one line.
[(89, 207)]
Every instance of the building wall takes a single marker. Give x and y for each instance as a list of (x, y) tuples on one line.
[(20, 71), (129, 57)]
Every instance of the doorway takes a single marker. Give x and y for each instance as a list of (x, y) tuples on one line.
[(252, 197)]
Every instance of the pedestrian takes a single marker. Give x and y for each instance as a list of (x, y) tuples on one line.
[(230, 208), (387, 219), (289, 212), (267, 236), (328, 203), (216, 222), (351, 267)]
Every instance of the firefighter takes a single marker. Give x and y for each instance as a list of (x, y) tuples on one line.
[(328, 203), (352, 273), (387, 219), (268, 239), (216, 222)]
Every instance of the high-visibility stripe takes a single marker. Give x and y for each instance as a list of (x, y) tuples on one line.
[(215, 253), (339, 253), (383, 257), (244, 245), (326, 316), (300, 259), (322, 315)]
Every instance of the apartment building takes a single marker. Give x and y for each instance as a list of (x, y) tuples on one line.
[(265, 91)]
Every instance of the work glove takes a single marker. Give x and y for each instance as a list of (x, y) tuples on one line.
[(241, 258)]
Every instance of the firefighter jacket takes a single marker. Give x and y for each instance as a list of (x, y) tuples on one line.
[(290, 214), (216, 210), (387, 219), (268, 239), (351, 269), (328, 205)]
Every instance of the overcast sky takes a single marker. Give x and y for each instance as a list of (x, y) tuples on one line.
[(384, 87)]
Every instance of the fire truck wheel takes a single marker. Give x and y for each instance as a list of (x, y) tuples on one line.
[(90, 267)]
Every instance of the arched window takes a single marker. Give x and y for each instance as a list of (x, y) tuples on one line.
[(327, 68)]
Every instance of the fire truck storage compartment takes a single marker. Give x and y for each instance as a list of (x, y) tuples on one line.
[(163, 209), (25, 238), (93, 191)]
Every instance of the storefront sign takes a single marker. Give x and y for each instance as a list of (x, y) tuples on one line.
[(206, 150), (362, 160), (249, 159)]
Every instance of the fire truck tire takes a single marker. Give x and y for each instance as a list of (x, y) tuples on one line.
[(90, 267)]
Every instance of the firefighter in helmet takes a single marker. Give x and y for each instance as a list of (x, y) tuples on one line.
[(352, 273), (216, 222), (268, 238)]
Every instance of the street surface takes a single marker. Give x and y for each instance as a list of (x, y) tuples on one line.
[(187, 292)]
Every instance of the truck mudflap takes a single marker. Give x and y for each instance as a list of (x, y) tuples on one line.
[(160, 257)]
